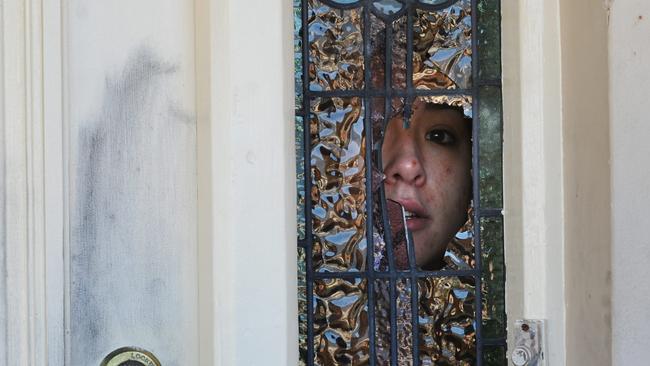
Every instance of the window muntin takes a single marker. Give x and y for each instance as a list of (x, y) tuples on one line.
[(358, 305)]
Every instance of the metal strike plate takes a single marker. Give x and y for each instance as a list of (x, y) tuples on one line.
[(130, 356), (529, 343)]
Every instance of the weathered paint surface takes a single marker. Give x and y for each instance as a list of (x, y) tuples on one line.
[(132, 187)]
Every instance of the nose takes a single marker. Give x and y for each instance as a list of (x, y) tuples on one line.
[(402, 158)]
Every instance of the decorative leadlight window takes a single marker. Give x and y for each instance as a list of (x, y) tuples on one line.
[(399, 145)]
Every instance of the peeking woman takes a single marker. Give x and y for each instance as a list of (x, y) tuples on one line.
[(427, 169)]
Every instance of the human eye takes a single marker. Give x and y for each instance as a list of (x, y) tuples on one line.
[(440, 136)]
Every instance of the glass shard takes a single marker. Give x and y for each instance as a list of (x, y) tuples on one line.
[(494, 356), (335, 48), (489, 39), (340, 322), (390, 235), (490, 148), (388, 7), (446, 321), (338, 184), (493, 285), (442, 47)]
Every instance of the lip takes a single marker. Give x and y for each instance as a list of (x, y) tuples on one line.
[(422, 218)]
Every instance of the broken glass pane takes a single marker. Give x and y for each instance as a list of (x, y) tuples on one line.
[(338, 184), (340, 322), (335, 48)]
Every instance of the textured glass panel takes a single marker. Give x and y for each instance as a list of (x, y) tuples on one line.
[(300, 176), (494, 356), (302, 307), (442, 47), (489, 39), (493, 285), (460, 251), (446, 321), (388, 7), (340, 322), (338, 184), (490, 148), (335, 48)]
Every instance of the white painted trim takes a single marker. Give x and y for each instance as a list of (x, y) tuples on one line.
[(253, 187), (25, 301), (533, 168)]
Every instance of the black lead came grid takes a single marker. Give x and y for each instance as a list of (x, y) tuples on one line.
[(486, 212)]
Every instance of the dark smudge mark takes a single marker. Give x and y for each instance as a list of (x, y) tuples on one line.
[(108, 177)]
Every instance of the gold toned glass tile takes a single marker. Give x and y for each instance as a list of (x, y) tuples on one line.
[(446, 321), (336, 59), (340, 322), (338, 191), (442, 47), (493, 285)]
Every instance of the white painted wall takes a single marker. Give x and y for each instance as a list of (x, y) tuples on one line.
[(629, 70)]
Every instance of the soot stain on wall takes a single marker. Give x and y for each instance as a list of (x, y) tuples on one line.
[(126, 160)]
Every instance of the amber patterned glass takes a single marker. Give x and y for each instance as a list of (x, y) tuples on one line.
[(338, 191), (442, 47), (335, 48), (340, 322)]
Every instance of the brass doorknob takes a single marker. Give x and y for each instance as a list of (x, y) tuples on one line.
[(130, 356)]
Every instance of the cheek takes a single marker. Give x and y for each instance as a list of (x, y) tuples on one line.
[(450, 187)]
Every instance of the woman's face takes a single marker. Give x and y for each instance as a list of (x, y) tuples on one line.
[(428, 171)]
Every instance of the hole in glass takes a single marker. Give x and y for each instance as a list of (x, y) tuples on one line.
[(427, 169)]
